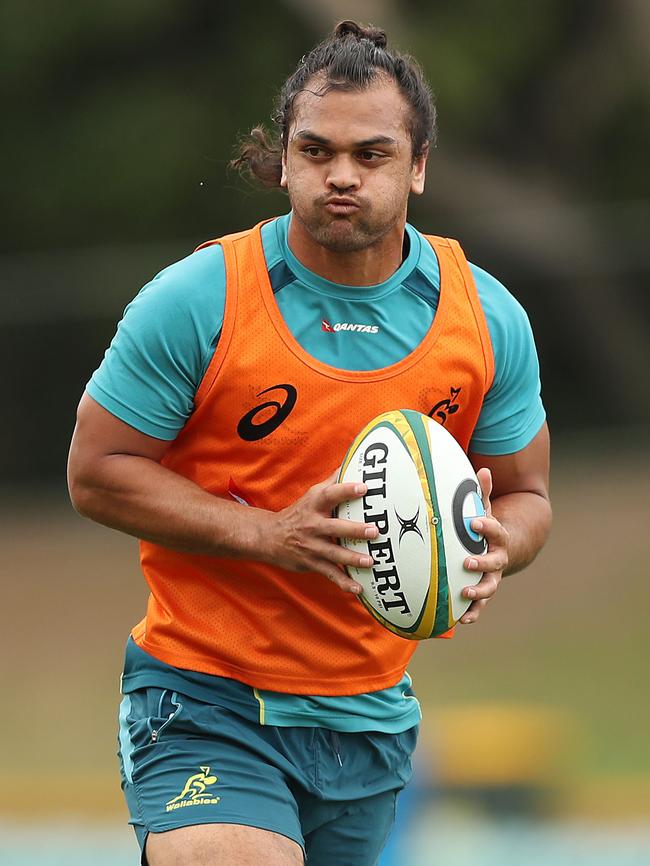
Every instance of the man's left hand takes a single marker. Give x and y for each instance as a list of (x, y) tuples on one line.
[(493, 562)]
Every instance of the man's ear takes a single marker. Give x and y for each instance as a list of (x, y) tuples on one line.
[(419, 171), (283, 178)]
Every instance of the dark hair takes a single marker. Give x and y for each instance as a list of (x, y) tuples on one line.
[(351, 59)]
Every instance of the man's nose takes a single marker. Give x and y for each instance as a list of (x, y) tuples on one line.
[(343, 173)]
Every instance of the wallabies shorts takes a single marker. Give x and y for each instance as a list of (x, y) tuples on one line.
[(187, 762)]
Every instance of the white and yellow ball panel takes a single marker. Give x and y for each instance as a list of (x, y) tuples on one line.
[(407, 588), (459, 496)]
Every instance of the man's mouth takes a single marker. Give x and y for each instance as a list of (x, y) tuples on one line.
[(341, 205)]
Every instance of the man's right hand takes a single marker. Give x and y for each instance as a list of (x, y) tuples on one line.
[(302, 535)]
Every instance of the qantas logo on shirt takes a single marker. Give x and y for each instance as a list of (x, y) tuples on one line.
[(348, 326)]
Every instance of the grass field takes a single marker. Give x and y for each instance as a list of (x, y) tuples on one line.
[(567, 639)]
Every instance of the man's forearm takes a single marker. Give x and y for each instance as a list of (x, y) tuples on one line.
[(138, 496), (527, 519)]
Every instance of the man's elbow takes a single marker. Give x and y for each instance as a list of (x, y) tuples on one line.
[(79, 497), (540, 527), (545, 518), (82, 491)]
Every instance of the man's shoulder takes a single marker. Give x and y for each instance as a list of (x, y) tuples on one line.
[(242, 234), (202, 264), (185, 297), (504, 313), (187, 285), (497, 300)]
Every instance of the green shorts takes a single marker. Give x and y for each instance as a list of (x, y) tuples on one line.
[(188, 762)]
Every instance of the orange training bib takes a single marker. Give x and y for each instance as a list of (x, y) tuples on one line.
[(269, 422)]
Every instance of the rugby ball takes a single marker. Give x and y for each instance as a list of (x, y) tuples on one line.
[(422, 496)]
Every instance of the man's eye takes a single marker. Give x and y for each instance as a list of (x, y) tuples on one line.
[(314, 151), (369, 156)]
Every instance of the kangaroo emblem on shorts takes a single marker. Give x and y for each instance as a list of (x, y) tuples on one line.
[(193, 794)]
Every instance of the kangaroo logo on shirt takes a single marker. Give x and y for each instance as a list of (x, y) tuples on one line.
[(446, 407), (251, 429)]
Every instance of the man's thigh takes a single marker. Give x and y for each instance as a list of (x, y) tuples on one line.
[(359, 775), (221, 845), (356, 834)]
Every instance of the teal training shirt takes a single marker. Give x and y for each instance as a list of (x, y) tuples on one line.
[(391, 710), (167, 337), (169, 332)]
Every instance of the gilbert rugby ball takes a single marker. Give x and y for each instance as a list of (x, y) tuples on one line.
[(422, 496)]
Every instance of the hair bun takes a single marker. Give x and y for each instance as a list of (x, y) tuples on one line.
[(351, 28)]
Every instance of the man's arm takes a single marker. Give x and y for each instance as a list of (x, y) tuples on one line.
[(115, 478), (518, 516)]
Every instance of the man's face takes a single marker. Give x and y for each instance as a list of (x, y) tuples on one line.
[(348, 166)]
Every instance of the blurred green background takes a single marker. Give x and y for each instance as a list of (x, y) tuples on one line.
[(119, 121)]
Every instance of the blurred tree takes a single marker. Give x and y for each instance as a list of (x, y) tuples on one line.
[(123, 115), (120, 118), (545, 125)]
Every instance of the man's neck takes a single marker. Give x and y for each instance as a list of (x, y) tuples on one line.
[(367, 267)]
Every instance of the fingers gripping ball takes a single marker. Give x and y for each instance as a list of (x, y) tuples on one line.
[(422, 496)]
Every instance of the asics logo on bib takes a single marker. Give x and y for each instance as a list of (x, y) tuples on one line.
[(257, 423), (348, 326)]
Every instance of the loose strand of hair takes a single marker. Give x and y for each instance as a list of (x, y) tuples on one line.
[(259, 155)]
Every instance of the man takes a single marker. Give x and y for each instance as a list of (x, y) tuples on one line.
[(266, 716)]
